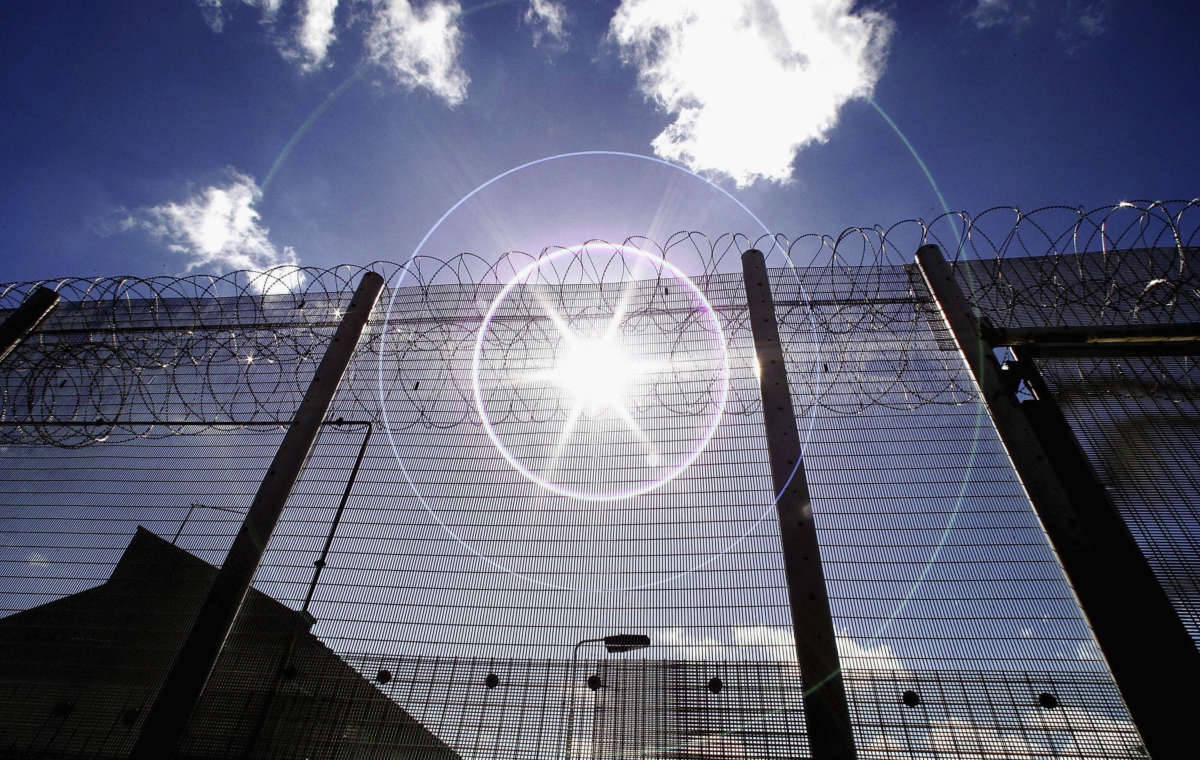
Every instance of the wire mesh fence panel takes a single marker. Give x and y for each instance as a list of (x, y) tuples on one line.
[(371, 706), (1144, 447), (479, 502), (933, 555), (557, 522), (1134, 416), (68, 514), (982, 715)]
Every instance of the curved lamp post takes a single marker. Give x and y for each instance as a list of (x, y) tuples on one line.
[(615, 644)]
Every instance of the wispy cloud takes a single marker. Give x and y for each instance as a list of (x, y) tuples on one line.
[(419, 47), (749, 82), (985, 14), (1076, 22), (219, 229), (1082, 22), (213, 14), (215, 11), (548, 19)]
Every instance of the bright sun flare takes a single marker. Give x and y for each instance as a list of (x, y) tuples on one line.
[(595, 372), (597, 377)]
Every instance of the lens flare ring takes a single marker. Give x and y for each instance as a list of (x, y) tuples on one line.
[(804, 444), (403, 272), (481, 407)]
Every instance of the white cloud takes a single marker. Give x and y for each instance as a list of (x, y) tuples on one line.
[(989, 13), (765, 642), (1036, 733), (1019, 734), (855, 656), (749, 82), (37, 559), (219, 229), (548, 20), (316, 31), (690, 646), (970, 741), (771, 643), (420, 48)]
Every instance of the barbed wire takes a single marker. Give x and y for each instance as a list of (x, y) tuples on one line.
[(134, 357)]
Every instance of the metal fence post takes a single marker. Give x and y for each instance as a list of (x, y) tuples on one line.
[(1139, 634), (165, 723), (25, 319), (827, 714)]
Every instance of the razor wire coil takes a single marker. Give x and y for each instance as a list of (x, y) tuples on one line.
[(129, 357)]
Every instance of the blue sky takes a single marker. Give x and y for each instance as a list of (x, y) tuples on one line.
[(128, 125)]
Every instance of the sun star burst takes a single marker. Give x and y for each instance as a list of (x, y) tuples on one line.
[(596, 373)]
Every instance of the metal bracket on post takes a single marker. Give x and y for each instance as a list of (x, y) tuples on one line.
[(1140, 635), (165, 723), (25, 319), (1178, 339), (319, 564), (827, 714)]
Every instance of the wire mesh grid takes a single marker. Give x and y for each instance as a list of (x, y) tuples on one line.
[(1134, 416), (1144, 449), (317, 705), (409, 537), (932, 552)]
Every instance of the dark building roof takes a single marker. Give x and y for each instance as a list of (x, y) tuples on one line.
[(78, 674)]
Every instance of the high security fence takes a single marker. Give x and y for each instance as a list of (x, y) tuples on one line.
[(530, 453)]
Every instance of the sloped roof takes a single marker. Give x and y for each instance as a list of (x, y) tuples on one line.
[(78, 674)]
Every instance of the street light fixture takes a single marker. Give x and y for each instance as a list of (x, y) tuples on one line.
[(617, 643), (625, 642)]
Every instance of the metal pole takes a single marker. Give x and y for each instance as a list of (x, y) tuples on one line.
[(1138, 631), (25, 319), (319, 563), (167, 719), (571, 695), (826, 712), (186, 517)]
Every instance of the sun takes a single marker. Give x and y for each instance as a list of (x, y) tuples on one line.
[(597, 373)]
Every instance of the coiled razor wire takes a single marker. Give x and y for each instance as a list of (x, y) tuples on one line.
[(130, 357)]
